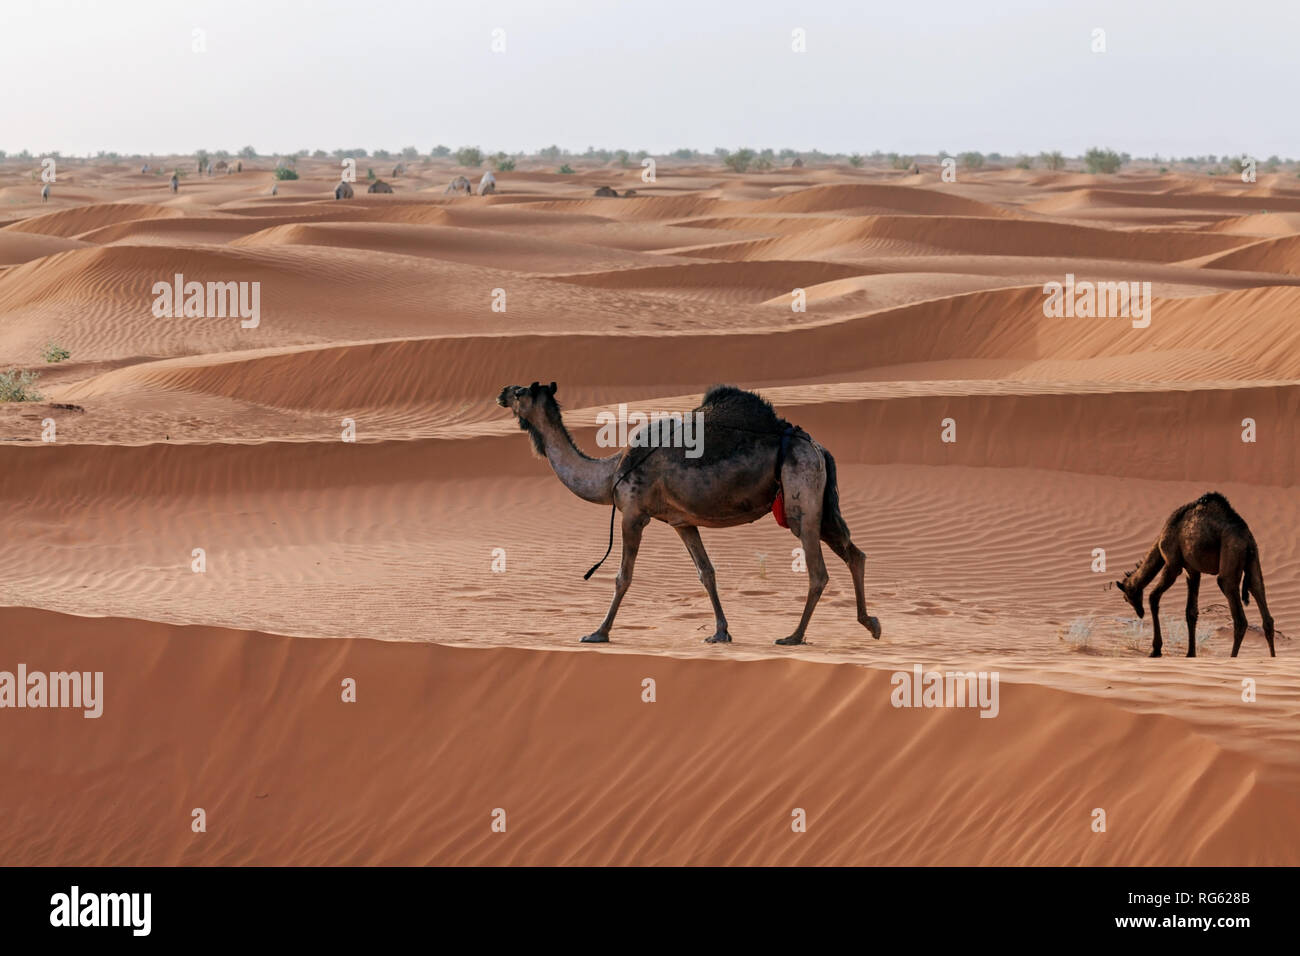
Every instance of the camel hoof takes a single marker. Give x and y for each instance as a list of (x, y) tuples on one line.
[(596, 638), (792, 639), (722, 637), (1155, 653), (872, 624)]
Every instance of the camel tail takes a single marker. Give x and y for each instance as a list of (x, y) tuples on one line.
[(834, 526)]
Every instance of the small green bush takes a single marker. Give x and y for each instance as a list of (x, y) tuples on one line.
[(566, 169), (740, 160), (55, 353), (1053, 160), (504, 163), (469, 156), (284, 172), (1102, 160), (18, 386)]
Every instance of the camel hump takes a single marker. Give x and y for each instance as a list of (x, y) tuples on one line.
[(1216, 502), (737, 405)]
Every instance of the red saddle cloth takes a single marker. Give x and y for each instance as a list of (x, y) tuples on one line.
[(778, 509)]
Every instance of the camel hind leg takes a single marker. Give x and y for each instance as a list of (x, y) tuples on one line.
[(852, 555), (1254, 582), (835, 532), (803, 486)]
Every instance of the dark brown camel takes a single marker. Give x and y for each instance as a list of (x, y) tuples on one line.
[(1203, 537), (734, 480)]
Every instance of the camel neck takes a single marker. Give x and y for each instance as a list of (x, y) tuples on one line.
[(591, 479)]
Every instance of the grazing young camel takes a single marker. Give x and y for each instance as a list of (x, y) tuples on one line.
[(748, 457), (1203, 537)]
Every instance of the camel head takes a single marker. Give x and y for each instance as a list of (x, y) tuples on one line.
[(1133, 596), (533, 405)]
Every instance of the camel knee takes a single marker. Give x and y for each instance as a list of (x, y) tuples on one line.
[(707, 577)]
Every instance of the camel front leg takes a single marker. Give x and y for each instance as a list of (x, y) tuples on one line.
[(1164, 581), (690, 536), (1228, 585), (632, 527), (1193, 612)]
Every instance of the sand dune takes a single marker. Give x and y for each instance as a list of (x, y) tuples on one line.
[(350, 480)]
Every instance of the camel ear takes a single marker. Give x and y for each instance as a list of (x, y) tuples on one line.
[(534, 388), (552, 388)]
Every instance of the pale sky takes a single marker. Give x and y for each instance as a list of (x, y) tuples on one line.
[(1180, 77)]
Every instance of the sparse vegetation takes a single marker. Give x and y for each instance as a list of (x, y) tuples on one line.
[(18, 386), (503, 163), (900, 162), (1053, 160), (469, 156), (55, 353), (248, 153), (971, 160), (740, 160), (566, 169), (284, 172), (857, 160), (1102, 160), (1024, 162)]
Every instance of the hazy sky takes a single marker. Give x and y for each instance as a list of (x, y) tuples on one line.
[(1184, 77)]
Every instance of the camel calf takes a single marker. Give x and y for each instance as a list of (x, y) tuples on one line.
[(1203, 537)]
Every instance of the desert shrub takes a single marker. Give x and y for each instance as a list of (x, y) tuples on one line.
[(566, 169), (900, 162), (18, 386), (971, 160), (857, 160), (503, 163), (1024, 162), (248, 153), (284, 172), (1102, 160), (623, 157), (370, 173), (740, 160), (440, 151), (55, 353), (684, 154), (1053, 160), (469, 156)]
